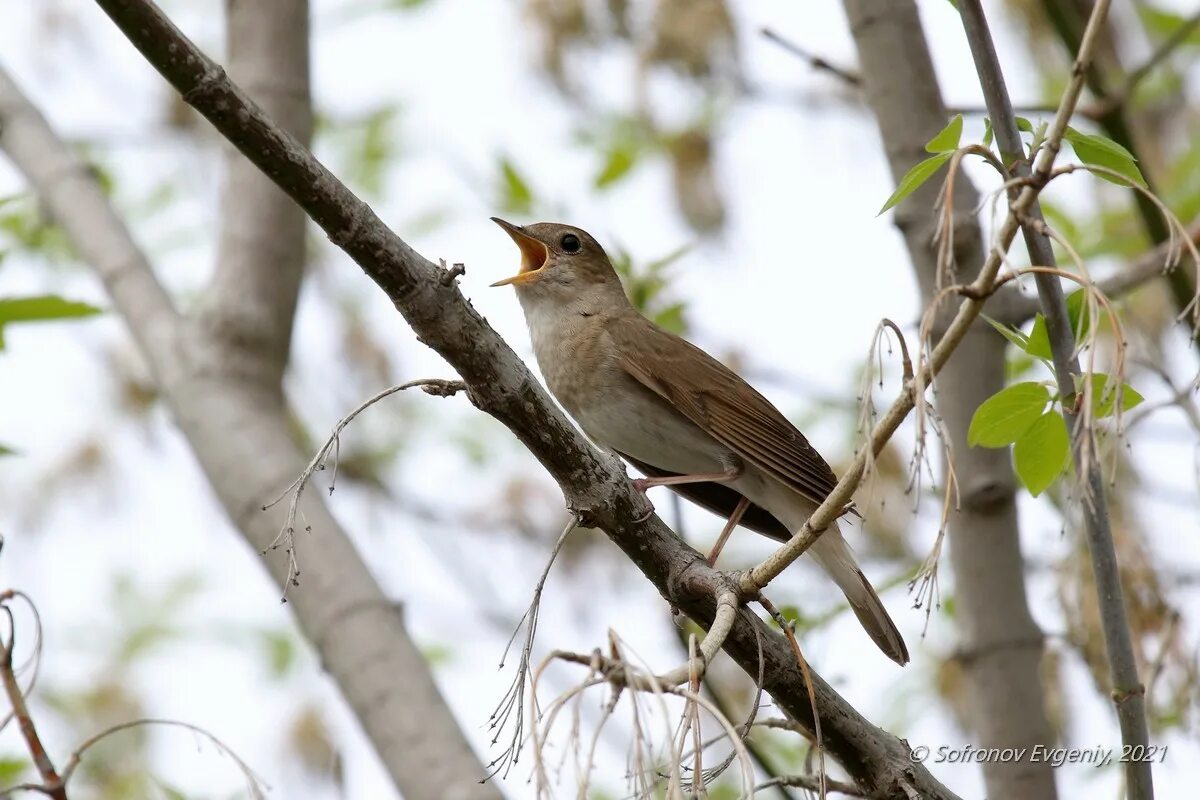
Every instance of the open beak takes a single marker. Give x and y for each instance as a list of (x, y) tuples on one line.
[(533, 254)]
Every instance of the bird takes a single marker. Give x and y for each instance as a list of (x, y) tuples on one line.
[(678, 415)]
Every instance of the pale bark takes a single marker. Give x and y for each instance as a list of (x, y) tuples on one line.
[(250, 303), (594, 484), (239, 432), (1001, 647)]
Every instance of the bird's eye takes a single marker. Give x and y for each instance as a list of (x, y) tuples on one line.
[(571, 244)]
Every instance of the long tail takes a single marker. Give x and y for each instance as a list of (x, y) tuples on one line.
[(834, 555)]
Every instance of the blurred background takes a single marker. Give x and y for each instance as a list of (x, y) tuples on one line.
[(737, 187)]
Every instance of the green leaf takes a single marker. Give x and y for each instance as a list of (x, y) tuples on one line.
[(279, 651), (11, 769), (672, 319), (1040, 454), (1164, 24), (517, 196), (1024, 125), (1039, 339), (1012, 334), (916, 176), (1002, 418), (1104, 395), (949, 137), (7, 451), (1077, 312), (617, 164), (1100, 151), (40, 308), (988, 133)]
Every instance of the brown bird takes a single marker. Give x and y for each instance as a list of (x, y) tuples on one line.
[(675, 412)]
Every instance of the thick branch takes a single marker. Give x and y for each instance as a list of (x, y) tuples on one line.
[(594, 484), (69, 189), (1128, 692)]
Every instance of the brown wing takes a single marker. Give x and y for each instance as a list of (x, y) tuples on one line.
[(718, 401)]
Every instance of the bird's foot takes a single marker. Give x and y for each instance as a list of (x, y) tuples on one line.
[(640, 486)]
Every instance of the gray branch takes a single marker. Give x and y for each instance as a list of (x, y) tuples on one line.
[(250, 302), (1001, 645), (1128, 691), (1019, 308), (594, 484)]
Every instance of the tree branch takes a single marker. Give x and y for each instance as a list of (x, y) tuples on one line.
[(1066, 17), (594, 484), (1006, 705), (1020, 308), (251, 299), (69, 189), (1128, 692), (243, 440), (53, 785)]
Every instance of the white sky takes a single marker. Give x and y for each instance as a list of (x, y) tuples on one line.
[(802, 183)]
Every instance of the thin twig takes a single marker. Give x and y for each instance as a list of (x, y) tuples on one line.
[(254, 784), (1149, 265), (816, 62), (286, 538), (789, 630), (513, 700), (1168, 46), (53, 785)]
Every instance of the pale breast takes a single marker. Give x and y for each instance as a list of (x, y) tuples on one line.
[(583, 371)]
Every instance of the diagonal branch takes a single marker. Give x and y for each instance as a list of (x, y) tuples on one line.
[(594, 484), (1128, 691), (67, 186)]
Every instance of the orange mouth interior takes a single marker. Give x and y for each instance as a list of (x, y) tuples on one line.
[(533, 254)]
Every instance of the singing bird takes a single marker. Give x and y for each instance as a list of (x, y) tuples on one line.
[(673, 411)]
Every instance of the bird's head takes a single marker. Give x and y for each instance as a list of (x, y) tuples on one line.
[(558, 259)]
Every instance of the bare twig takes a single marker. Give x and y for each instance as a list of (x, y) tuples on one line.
[(816, 62), (287, 532), (254, 784), (244, 442), (789, 630), (1149, 265), (514, 699), (33, 663), (52, 785), (1134, 79), (616, 670), (815, 784)]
